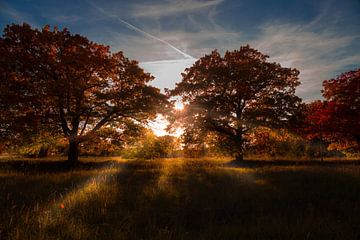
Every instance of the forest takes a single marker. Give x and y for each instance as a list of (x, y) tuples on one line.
[(244, 157)]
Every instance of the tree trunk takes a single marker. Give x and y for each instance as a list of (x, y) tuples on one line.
[(73, 152), (43, 152), (321, 152), (239, 157), (321, 147)]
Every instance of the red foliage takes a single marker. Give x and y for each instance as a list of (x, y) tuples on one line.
[(338, 118), (317, 119), (344, 92)]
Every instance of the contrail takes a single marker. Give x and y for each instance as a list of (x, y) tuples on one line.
[(130, 26)]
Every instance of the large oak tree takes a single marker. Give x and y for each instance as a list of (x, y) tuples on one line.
[(231, 94), (58, 81)]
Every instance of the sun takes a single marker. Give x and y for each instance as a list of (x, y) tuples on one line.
[(178, 106)]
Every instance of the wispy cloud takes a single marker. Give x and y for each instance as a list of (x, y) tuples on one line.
[(17, 16), (313, 53), (202, 42), (170, 8), (66, 18), (318, 48), (133, 27), (167, 72)]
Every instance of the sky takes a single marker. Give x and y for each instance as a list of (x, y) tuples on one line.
[(319, 38)]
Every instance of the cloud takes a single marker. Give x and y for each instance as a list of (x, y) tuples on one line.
[(320, 49), (138, 30), (146, 50), (17, 16), (167, 72), (170, 8), (203, 41), (318, 55), (66, 18)]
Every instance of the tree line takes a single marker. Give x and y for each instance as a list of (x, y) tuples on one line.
[(57, 85)]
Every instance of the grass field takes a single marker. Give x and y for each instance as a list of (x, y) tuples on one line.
[(179, 199)]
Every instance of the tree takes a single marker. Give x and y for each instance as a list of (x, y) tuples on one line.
[(343, 97), (277, 143), (111, 140), (317, 122), (150, 146), (232, 94), (39, 145), (69, 84)]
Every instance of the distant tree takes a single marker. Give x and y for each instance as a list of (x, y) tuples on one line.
[(194, 140), (343, 97), (276, 143), (317, 122), (149, 146), (111, 140), (66, 83), (167, 146), (232, 94), (39, 144)]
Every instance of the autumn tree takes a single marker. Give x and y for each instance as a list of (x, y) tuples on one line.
[(277, 143), (111, 140), (66, 83), (150, 146), (232, 94), (342, 95), (317, 124)]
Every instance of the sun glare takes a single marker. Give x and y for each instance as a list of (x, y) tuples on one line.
[(159, 125), (179, 106)]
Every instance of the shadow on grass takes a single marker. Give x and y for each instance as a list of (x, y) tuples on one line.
[(46, 166), (263, 163), (189, 199)]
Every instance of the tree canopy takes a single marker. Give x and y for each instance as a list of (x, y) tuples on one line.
[(343, 94), (340, 113), (66, 83), (231, 94), (336, 119)]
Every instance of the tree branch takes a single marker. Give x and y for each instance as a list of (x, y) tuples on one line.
[(64, 124)]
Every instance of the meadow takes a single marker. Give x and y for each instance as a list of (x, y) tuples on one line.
[(179, 199)]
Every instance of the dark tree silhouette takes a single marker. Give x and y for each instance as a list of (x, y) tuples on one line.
[(62, 82), (232, 94)]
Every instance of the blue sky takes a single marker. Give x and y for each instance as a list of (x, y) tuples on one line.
[(320, 38)]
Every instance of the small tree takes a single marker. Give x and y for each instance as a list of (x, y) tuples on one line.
[(232, 94), (69, 84)]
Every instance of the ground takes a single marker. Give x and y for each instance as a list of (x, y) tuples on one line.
[(179, 199)]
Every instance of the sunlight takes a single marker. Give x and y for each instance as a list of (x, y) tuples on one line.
[(159, 125), (168, 169), (96, 187), (179, 106)]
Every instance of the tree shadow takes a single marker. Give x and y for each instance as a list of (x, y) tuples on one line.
[(160, 199), (199, 200), (46, 166), (258, 163)]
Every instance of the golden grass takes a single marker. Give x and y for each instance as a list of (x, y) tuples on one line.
[(180, 199)]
